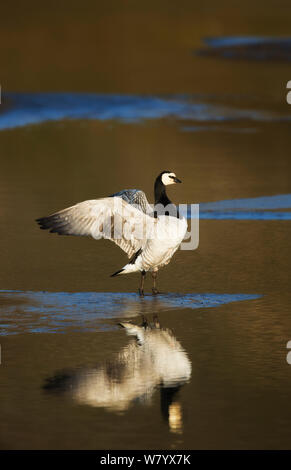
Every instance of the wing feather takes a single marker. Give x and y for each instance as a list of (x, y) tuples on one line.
[(135, 197), (110, 218)]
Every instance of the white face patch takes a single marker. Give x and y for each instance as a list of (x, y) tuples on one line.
[(166, 178)]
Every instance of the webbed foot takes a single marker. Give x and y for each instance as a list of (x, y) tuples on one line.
[(155, 291)]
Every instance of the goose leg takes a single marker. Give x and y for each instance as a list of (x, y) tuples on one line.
[(144, 322), (154, 289), (156, 321), (140, 290)]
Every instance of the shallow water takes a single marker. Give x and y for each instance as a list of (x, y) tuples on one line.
[(22, 109), (104, 98), (39, 312), (249, 48)]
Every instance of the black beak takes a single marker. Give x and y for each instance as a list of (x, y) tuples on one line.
[(177, 180)]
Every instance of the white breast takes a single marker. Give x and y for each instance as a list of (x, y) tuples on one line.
[(163, 241)]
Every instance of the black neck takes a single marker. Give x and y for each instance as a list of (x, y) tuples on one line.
[(160, 194), (162, 199)]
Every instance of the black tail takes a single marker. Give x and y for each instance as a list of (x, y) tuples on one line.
[(117, 272)]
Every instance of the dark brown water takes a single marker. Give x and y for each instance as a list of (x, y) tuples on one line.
[(70, 377)]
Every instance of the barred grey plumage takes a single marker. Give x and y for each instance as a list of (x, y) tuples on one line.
[(135, 197)]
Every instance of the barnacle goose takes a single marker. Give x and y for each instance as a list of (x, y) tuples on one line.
[(149, 236)]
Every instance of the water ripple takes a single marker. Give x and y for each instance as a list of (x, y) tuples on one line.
[(38, 312), (257, 208), (22, 109), (258, 48)]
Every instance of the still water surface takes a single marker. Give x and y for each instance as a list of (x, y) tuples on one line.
[(94, 113)]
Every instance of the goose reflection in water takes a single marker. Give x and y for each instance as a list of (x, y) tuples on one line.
[(155, 358)]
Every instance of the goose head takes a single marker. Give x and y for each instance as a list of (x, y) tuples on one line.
[(164, 179), (167, 177)]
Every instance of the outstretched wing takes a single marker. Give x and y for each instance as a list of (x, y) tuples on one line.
[(135, 197), (111, 218)]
